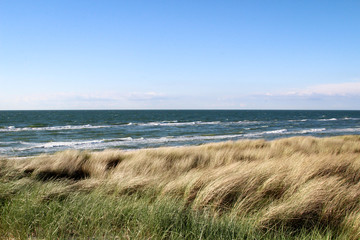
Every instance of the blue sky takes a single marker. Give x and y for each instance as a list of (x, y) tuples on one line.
[(179, 54)]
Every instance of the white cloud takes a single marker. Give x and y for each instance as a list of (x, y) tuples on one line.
[(74, 100), (336, 89), (139, 96), (323, 96), (91, 97)]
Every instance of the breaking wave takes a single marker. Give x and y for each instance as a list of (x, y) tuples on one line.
[(54, 128)]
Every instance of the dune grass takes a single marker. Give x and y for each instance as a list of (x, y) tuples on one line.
[(293, 188)]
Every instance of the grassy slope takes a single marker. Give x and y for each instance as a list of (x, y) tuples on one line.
[(297, 188)]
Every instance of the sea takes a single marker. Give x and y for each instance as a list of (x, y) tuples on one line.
[(28, 133)]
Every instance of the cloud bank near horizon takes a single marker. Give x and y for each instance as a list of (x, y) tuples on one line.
[(324, 96), (335, 89)]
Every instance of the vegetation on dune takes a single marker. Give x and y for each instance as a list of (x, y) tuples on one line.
[(300, 187)]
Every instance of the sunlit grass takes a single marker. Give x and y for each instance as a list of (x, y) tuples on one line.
[(295, 188)]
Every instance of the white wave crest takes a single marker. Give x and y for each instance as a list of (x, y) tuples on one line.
[(175, 123), (325, 120), (54, 128), (350, 118), (344, 130), (312, 130), (193, 123), (298, 120), (60, 144), (275, 131)]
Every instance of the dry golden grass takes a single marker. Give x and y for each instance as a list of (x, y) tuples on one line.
[(295, 182)]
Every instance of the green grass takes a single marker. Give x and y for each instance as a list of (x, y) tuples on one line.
[(295, 188), (30, 208)]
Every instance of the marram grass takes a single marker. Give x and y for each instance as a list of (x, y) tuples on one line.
[(294, 188)]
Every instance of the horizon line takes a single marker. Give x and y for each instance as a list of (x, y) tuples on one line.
[(182, 109)]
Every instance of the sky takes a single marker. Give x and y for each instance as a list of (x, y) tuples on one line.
[(179, 54)]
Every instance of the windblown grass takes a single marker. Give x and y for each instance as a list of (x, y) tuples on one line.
[(300, 187)]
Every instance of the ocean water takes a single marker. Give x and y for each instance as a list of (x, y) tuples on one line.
[(25, 133)]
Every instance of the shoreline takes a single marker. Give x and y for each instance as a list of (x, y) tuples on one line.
[(177, 146), (30, 134)]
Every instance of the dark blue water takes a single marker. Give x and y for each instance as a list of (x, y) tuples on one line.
[(24, 133)]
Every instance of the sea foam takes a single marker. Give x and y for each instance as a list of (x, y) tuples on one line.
[(54, 128)]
